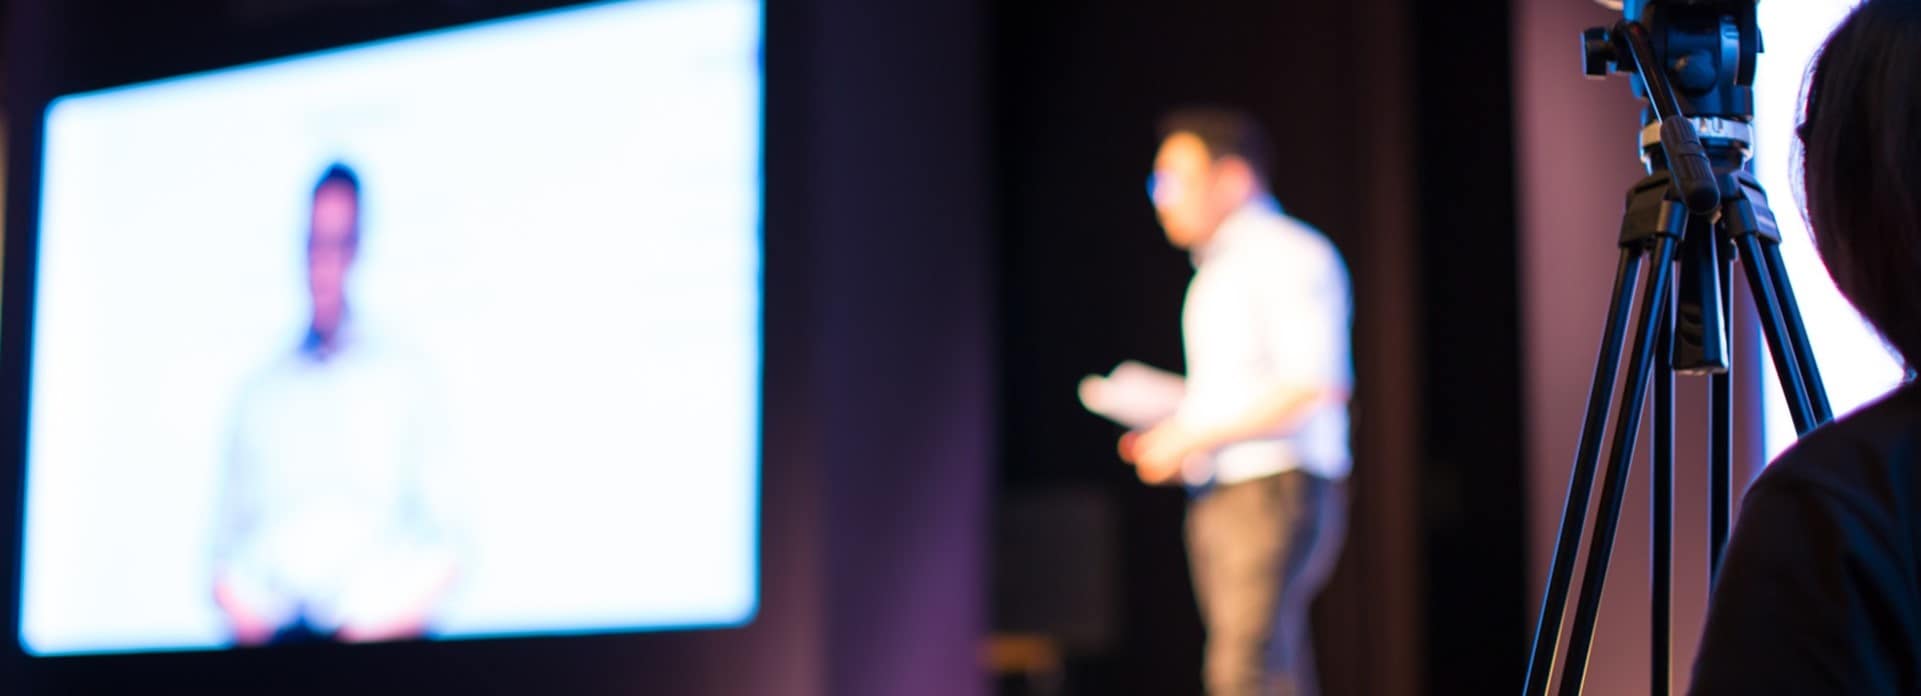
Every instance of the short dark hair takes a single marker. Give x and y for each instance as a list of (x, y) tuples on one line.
[(1227, 132), (1861, 166), (338, 173)]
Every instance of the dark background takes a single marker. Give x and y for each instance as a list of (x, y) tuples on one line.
[(957, 231)]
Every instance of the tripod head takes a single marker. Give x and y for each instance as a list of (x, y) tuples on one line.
[(1698, 56), (1707, 47)]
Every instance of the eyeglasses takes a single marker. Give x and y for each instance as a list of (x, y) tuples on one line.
[(1162, 190)]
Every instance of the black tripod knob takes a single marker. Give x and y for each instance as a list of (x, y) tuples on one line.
[(1598, 54), (1696, 73)]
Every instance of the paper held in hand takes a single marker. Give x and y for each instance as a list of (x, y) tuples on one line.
[(1135, 395)]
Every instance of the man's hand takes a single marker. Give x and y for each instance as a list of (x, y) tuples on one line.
[(392, 628), (248, 626), (397, 602), (1157, 455)]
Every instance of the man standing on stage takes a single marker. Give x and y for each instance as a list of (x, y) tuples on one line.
[(1260, 434)]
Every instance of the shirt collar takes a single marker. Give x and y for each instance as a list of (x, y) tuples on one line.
[(313, 350), (1236, 225)]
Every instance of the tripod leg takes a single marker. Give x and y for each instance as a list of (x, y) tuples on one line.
[(1811, 382), (1661, 507), (1720, 445), (1547, 632), (1614, 490), (1761, 284)]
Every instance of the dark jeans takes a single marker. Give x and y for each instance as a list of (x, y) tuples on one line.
[(1259, 551)]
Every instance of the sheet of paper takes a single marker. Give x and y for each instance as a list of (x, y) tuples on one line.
[(1134, 395)]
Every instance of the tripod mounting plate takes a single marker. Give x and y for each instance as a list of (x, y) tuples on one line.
[(1714, 131)]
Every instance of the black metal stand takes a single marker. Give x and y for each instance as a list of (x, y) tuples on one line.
[(1675, 219), (1658, 226)]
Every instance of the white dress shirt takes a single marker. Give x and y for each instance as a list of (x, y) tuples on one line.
[(325, 515), (1268, 307)]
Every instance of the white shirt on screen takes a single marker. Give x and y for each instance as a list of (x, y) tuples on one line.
[(1268, 306), (327, 515)]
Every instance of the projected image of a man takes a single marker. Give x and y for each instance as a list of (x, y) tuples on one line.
[(328, 529)]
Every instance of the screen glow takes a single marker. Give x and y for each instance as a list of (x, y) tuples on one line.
[(538, 411)]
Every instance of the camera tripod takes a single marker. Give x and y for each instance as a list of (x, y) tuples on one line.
[(1697, 212)]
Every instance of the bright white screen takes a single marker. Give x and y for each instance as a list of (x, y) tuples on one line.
[(559, 230), (1855, 363)]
